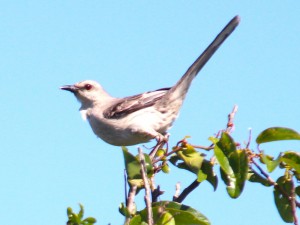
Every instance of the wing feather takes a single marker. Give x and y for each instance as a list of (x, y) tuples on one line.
[(130, 104)]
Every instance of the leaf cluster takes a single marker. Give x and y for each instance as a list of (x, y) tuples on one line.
[(77, 218), (235, 165)]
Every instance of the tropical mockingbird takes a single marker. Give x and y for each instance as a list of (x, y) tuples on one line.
[(140, 118)]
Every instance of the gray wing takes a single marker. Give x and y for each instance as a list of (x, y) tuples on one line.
[(130, 104), (170, 98)]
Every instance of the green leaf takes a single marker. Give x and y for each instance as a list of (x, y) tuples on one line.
[(207, 168), (270, 162), (124, 210), (277, 134), (292, 159), (255, 177), (90, 220), (189, 158), (148, 162), (239, 163), (136, 182), (81, 212), (223, 160), (282, 203), (132, 165), (201, 176), (76, 219), (136, 220), (165, 219), (234, 164), (133, 168), (178, 214), (69, 211)]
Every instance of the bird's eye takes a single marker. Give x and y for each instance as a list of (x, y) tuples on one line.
[(88, 87)]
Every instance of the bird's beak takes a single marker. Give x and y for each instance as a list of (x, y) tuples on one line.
[(71, 88)]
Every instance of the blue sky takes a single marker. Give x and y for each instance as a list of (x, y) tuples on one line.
[(50, 159)]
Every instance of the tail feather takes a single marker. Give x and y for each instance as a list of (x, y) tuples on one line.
[(179, 90)]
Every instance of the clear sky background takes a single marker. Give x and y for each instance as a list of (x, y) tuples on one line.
[(50, 159)]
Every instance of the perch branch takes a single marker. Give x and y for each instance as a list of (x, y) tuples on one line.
[(147, 187)]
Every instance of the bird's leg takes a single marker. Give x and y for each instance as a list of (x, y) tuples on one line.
[(161, 141)]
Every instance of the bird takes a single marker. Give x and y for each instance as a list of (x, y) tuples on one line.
[(140, 118)]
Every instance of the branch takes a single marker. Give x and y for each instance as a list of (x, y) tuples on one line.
[(125, 184), (204, 147), (273, 183), (156, 193), (175, 149), (130, 202), (147, 187), (186, 191), (249, 138), (292, 201), (160, 144), (230, 124), (177, 191)]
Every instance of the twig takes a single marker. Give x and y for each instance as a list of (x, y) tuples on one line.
[(175, 149), (178, 148), (187, 191), (156, 193), (230, 124), (273, 183), (292, 201), (130, 202), (147, 187), (249, 139), (160, 144), (204, 147), (125, 184), (177, 191), (130, 199)]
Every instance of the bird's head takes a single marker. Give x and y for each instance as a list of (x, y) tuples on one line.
[(87, 92)]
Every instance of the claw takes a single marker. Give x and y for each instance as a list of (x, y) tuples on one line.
[(161, 141)]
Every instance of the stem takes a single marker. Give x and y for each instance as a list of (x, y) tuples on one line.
[(249, 139), (291, 197), (147, 187), (125, 184), (156, 193), (292, 201), (187, 191), (204, 147), (230, 124), (130, 202), (177, 191)]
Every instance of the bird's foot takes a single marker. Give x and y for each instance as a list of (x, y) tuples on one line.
[(161, 141)]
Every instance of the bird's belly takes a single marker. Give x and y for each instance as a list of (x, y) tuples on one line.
[(133, 129), (114, 132)]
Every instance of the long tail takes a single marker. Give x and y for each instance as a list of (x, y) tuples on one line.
[(179, 90)]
